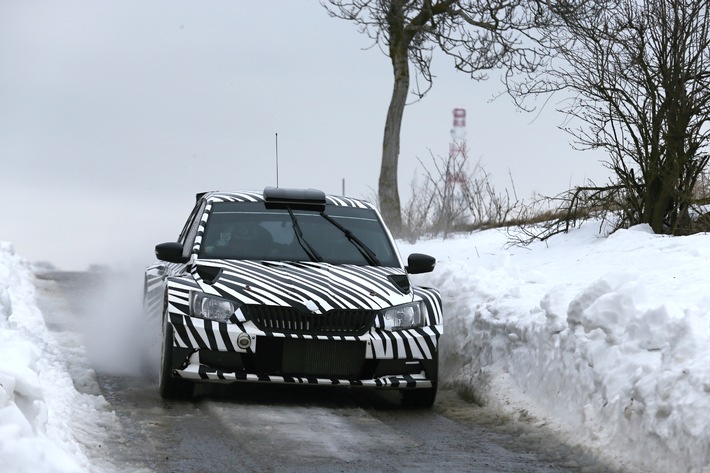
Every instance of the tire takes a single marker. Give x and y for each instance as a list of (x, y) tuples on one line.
[(169, 386), (423, 398), (419, 398)]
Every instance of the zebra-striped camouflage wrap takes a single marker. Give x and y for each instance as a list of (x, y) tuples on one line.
[(314, 288)]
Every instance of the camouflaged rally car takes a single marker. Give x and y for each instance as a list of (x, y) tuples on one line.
[(292, 286)]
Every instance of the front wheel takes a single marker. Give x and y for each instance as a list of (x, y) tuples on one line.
[(169, 386), (423, 397)]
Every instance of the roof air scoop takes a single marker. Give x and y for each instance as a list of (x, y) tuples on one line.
[(306, 199)]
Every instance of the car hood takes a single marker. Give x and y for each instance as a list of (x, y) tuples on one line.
[(309, 286)]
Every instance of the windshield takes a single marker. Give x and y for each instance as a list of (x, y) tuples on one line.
[(237, 230)]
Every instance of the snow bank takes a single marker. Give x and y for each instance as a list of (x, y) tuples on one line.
[(605, 339), (39, 407)]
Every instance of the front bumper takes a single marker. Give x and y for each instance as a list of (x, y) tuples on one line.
[(196, 371), (205, 350)]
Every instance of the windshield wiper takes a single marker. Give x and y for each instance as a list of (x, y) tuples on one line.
[(312, 254), (365, 250)]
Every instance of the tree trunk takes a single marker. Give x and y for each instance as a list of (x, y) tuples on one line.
[(388, 189), (658, 200)]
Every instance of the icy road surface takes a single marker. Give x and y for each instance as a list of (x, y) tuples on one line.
[(269, 428)]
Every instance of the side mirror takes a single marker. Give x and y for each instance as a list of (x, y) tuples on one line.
[(170, 252), (418, 263)]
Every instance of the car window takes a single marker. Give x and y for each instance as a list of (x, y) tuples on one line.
[(251, 231), (188, 222)]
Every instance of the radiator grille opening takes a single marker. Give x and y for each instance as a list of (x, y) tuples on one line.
[(290, 320)]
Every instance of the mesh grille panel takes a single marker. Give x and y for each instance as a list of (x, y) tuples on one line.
[(323, 358), (289, 320)]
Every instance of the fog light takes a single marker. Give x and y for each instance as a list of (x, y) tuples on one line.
[(243, 341)]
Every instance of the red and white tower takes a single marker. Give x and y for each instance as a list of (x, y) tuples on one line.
[(458, 152)]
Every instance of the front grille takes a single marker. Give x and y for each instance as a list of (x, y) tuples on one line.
[(289, 320), (317, 358)]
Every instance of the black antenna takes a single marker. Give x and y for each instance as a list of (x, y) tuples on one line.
[(277, 160)]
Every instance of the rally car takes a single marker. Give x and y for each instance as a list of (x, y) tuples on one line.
[(292, 286)]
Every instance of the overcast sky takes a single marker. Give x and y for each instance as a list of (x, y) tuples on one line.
[(113, 114)]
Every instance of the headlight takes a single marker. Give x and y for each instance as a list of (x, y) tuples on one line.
[(405, 316), (212, 308)]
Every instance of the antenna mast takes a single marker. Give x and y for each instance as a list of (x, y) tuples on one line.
[(277, 160)]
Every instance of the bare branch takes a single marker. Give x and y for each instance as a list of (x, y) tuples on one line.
[(638, 77)]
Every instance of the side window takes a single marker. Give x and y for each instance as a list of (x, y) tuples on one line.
[(189, 231)]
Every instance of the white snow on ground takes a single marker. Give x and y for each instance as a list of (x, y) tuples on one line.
[(603, 339)]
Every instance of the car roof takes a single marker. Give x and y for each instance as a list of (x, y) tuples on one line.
[(295, 195)]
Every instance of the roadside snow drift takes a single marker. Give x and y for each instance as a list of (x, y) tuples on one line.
[(41, 413), (606, 339)]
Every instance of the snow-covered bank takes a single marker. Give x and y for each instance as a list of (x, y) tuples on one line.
[(605, 339), (43, 418)]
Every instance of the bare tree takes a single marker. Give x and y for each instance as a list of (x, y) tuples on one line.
[(479, 34), (639, 74), (455, 196)]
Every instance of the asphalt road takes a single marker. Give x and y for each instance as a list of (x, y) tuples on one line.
[(270, 428)]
